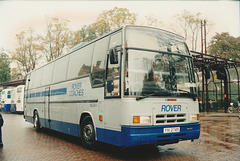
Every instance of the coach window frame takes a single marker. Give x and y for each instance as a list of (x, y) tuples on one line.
[(119, 65)]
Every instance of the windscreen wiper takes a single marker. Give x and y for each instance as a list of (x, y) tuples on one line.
[(193, 95), (145, 96), (183, 91)]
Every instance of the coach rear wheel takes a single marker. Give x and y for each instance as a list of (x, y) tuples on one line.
[(36, 124), (88, 133)]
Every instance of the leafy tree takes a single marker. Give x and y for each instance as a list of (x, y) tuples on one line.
[(85, 34), (56, 40), (191, 25), (226, 46), (106, 22), (26, 55), (112, 19), (5, 71)]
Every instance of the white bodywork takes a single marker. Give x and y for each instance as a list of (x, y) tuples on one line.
[(62, 95)]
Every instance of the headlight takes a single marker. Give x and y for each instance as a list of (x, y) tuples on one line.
[(141, 119), (194, 118)]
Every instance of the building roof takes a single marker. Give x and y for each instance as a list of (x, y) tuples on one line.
[(14, 83), (200, 60)]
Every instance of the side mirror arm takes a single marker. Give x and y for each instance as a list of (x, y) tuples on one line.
[(113, 53)]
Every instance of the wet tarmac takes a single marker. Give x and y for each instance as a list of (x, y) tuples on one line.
[(219, 140)]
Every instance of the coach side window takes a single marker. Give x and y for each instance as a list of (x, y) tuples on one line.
[(80, 62), (60, 69), (47, 74), (98, 62)]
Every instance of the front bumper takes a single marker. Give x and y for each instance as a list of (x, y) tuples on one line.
[(154, 134), (143, 135)]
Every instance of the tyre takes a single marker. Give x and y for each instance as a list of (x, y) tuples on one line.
[(230, 110), (87, 133), (36, 123)]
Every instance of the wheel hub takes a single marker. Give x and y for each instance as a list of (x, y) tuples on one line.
[(87, 132)]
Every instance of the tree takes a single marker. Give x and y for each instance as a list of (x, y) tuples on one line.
[(112, 19), (85, 34), (153, 21), (5, 71), (26, 55), (106, 22), (191, 25), (226, 46), (56, 41)]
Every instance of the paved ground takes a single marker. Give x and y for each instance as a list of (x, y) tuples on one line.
[(219, 140)]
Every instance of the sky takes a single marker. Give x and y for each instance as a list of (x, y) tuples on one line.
[(17, 16)]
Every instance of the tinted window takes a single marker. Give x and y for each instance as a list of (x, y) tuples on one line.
[(60, 69), (115, 40), (47, 74), (80, 62), (99, 64)]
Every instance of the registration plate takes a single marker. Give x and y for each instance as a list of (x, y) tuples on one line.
[(171, 129)]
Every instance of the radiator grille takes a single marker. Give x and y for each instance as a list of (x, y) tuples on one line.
[(170, 118)]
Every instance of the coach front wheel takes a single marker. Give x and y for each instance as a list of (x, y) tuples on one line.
[(88, 133), (36, 124)]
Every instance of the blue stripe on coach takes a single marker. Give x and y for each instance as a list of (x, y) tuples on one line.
[(54, 92), (61, 91)]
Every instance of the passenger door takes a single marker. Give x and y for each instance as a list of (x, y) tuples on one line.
[(112, 102), (47, 107), (26, 95)]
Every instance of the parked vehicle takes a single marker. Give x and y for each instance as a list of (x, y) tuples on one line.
[(133, 86), (7, 100)]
